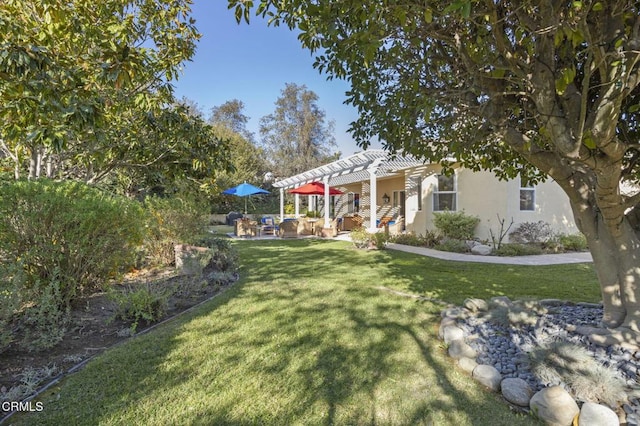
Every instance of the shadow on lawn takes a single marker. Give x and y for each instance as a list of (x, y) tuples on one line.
[(286, 351)]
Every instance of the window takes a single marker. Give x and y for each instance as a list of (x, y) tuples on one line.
[(527, 197), (444, 196), (419, 190), (353, 202)]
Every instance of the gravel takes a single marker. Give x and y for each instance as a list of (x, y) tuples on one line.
[(506, 347)]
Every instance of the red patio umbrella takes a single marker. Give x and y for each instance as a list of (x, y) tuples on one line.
[(314, 188)]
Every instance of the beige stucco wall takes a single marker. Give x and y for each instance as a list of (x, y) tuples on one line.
[(478, 193), (482, 194)]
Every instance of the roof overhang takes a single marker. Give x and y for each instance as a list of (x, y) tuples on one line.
[(355, 168)]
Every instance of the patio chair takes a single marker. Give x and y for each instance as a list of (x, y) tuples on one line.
[(351, 222), (395, 227), (268, 225), (321, 231), (288, 229), (306, 226), (246, 228)]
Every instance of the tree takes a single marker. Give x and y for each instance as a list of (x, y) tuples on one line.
[(231, 115), (542, 88), (296, 137), (85, 90)]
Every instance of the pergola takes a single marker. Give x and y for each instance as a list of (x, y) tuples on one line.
[(366, 165)]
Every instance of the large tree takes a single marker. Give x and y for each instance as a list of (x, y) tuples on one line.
[(296, 136), (85, 90), (545, 88)]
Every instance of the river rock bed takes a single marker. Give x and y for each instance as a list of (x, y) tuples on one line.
[(505, 347)]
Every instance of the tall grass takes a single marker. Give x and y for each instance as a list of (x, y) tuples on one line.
[(308, 336)]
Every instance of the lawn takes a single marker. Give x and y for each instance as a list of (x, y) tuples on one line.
[(309, 336)]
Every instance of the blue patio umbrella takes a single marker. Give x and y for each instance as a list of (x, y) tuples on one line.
[(244, 190)]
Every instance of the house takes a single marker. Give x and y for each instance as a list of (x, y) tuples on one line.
[(376, 184)]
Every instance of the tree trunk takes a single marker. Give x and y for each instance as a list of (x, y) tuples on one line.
[(616, 259)]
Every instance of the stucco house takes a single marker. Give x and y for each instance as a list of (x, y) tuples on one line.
[(376, 184)]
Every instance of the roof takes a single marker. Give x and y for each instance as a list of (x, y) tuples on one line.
[(353, 169)]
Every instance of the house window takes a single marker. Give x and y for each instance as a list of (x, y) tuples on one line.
[(353, 202), (527, 197), (419, 189), (444, 196)]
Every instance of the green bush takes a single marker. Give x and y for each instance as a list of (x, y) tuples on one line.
[(139, 302), (573, 242), (430, 239), (171, 221), (360, 237), (45, 322), (67, 232), (379, 239), (518, 250), (224, 254), (9, 304), (531, 232), (456, 225)]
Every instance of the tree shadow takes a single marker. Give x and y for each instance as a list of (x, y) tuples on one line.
[(292, 343)]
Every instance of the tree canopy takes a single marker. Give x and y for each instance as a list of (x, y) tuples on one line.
[(296, 136), (86, 89), (542, 88)]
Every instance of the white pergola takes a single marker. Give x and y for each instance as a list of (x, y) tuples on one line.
[(366, 165)]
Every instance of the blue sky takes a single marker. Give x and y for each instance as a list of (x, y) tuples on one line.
[(252, 62)]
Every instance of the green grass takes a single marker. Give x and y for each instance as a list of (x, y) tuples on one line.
[(307, 337)]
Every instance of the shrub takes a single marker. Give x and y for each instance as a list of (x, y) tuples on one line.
[(531, 232), (67, 232), (430, 239), (379, 239), (171, 221), (564, 362), (574, 242), (45, 322), (134, 303), (9, 304), (224, 255), (456, 225), (360, 237), (518, 250)]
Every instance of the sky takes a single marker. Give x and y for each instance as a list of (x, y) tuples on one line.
[(252, 63)]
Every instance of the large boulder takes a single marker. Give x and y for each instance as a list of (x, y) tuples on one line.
[(467, 364), (554, 406), (459, 349), (592, 414), (516, 391), (488, 375), (451, 333), (481, 250), (475, 304)]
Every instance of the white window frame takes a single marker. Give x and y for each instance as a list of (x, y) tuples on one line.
[(527, 189), (437, 193)]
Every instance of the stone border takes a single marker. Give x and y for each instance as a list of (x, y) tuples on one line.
[(553, 405)]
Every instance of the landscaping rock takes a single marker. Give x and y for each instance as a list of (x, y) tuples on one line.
[(503, 301), (475, 305), (455, 312), (459, 349), (488, 375), (481, 250), (446, 321), (467, 364), (592, 414), (554, 406), (451, 333), (516, 391)]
